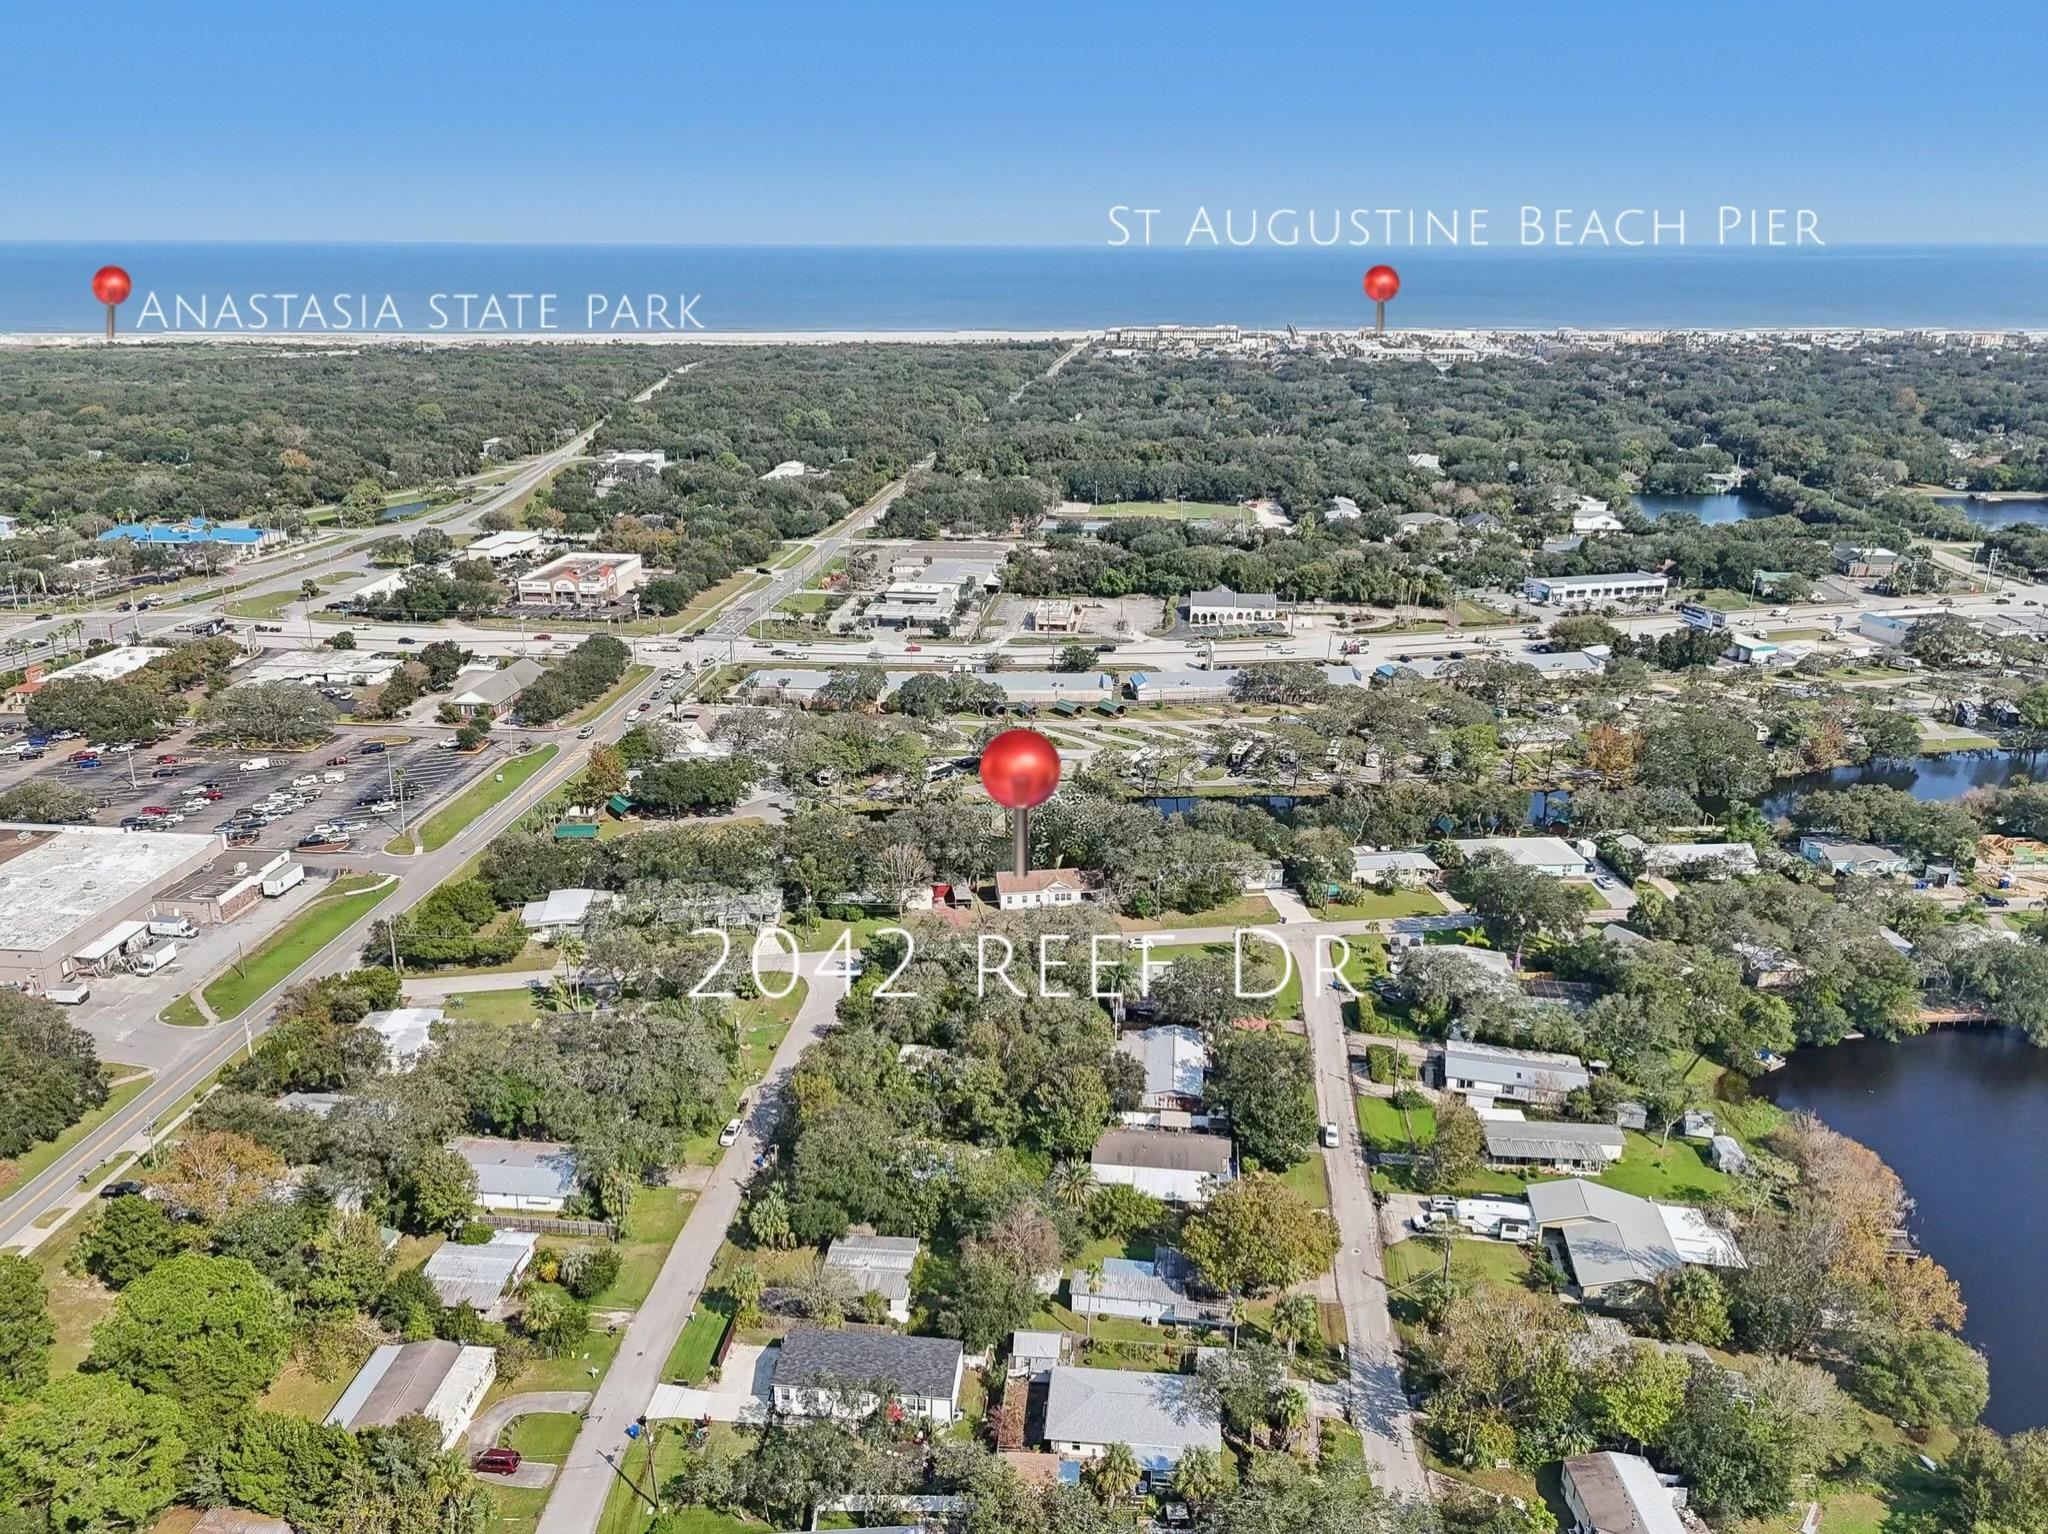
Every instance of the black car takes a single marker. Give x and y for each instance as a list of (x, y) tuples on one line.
[(127, 1187), (372, 748)]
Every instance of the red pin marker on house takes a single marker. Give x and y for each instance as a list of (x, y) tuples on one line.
[(1020, 769), (1381, 284), (110, 285)]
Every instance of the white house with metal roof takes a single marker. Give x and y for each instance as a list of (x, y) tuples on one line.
[(478, 1276), (440, 1381), (1175, 1061), (878, 1265), (1615, 1244), (1489, 1073), (1551, 855), (1161, 1416), (519, 1176), (1610, 1493)]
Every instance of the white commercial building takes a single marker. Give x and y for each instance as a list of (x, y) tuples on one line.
[(1220, 607), (514, 543), (64, 887), (1595, 590)]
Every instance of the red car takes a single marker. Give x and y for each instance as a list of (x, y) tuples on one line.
[(154, 809), (912, 649), (543, 636), (211, 795), (83, 756), (337, 761), (496, 1461), (167, 761)]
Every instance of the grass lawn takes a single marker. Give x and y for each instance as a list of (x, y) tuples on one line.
[(1486, 1261), (32, 1162), (1306, 1178), (1401, 1179), (1245, 911), (266, 606), (1179, 510), (519, 1508), (452, 818), (1373, 906), (183, 1013), (298, 1392), (1677, 1174), (77, 1302), (293, 944), (1383, 1127), (690, 1360), (1472, 614), (571, 1371), (626, 1512), (634, 676), (493, 1006), (824, 932), (1283, 1005), (547, 1436), (809, 602), (652, 1225)]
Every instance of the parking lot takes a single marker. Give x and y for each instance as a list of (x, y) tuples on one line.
[(363, 788)]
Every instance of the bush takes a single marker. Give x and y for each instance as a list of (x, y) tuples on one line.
[(475, 1233), (1382, 1062), (590, 1270), (1408, 1100)]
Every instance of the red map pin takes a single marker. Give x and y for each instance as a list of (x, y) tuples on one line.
[(1020, 769), (1381, 284), (110, 285)]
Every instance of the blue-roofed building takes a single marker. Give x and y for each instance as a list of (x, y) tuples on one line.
[(191, 534)]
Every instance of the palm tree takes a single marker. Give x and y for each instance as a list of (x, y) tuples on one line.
[(573, 950), (1237, 1317), (1092, 1277), (1113, 1474), (1071, 1184), (1198, 1478), (1296, 1319), (1290, 1411)]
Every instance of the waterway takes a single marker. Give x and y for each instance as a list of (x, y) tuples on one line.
[(2029, 512), (1962, 1116), (1936, 779), (1729, 507)]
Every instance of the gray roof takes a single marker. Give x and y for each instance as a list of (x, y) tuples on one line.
[(1513, 1067), (479, 1275), (1146, 1411), (1164, 1151), (1529, 1139), (1622, 1495), (925, 1367), (1125, 1278), (1223, 596), (1175, 1059), (1611, 1237), (526, 1168)]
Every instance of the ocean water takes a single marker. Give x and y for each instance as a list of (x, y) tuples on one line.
[(46, 287)]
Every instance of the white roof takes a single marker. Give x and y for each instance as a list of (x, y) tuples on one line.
[(406, 1031), (1682, 854), (1513, 1067), (1620, 577), (563, 908), (107, 666), (479, 1275), (1365, 862), (111, 941), (1621, 1494), (1175, 1059), (1147, 1411), (520, 1168), (64, 876), (1530, 851)]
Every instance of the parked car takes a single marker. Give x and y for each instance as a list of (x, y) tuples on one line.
[(372, 748), (167, 761), (499, 1461), (730, 1134), (1330, 1136), (127, 1187)]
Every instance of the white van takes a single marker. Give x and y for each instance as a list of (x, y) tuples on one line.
[(68, 995), (255, 764), (334, 777)]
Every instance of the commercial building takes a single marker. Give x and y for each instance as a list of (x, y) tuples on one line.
[(61, 887), (1546, 854), (1864, 563), (1175, 1062), (519, 1176), (331, 668), (1895, 626), (1055, 615), (440, 1381), (1161, 1416), (878, 1265), (1181, 686), (1552, 1145), (1045, 889), (513, 543), (1487, 1073), (1180, 1168), (1595, 590), (582, 580), (224, 888), (1615, 1244), (492, 688), (193, 533), (1220, 607), (563, 913), (821, 1373), (478, 1276)]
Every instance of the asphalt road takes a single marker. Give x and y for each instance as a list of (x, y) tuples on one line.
[(213, 1047)]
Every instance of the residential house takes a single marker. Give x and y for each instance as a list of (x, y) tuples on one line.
[(441, 1381), (407, 1033), (1546, 854), (1712, 860), (1489, 1073), (478, 1276), (1611, 1493), (1407, 869), (1615, 1245), (1033, 1353), (1220, 607), (1552, 1144), (1180, 1168), (1160, 1416), (564, 913), (878, 1265), (519, 1176), (820, 1373), (1154, 1292), (1047, 888), (1838, 856), (1175, 1061)]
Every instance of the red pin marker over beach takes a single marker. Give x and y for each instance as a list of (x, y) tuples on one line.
[(1020, 769), (1381, 284), (110, 285)]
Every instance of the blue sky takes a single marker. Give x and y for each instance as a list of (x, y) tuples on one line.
[(964, 123)]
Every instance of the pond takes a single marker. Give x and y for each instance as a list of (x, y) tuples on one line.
[(1962, 1116), (400, 513), (2029, 511), (1730, 506), (1936, 779)]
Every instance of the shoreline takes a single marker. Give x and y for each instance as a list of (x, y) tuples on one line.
[(1635, 335)]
